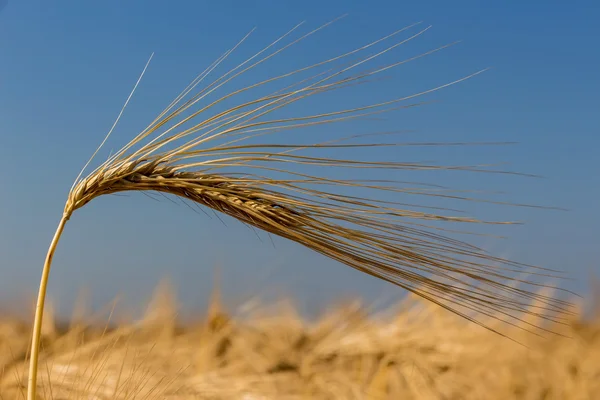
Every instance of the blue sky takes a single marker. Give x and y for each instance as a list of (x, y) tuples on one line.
[(67, 66)]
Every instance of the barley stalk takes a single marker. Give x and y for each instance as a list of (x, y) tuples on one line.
[(271, 187)]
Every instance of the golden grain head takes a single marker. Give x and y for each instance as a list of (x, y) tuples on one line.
[(211, 157), (211, 150)]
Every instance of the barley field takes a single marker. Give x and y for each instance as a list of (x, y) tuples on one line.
[(414, 350)]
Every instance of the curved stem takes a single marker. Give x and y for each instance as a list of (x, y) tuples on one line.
[(39, 313)]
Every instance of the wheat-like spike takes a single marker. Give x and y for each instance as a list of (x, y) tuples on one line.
[(213, 157)]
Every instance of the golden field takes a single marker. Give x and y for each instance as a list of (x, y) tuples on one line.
[(413, 351)]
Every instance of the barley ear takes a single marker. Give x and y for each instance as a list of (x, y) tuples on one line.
[(213, 158)]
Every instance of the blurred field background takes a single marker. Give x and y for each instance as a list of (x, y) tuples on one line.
[(413, 350)]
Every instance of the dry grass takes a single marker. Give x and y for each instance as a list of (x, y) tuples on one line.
[(415, 351)]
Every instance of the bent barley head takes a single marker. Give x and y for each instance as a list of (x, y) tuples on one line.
[(215, 158)]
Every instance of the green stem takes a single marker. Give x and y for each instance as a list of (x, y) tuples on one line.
[(39, 313)]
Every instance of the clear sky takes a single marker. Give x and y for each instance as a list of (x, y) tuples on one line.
[(67, 66)]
